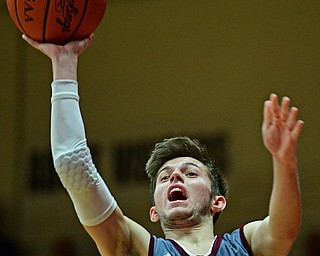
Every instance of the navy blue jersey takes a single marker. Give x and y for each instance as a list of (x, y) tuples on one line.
[(234, 243)]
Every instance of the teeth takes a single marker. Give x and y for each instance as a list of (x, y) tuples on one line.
[(175, 189)]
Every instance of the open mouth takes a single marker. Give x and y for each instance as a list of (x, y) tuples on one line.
[(176, 194)]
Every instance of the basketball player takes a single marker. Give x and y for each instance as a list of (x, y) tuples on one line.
[(188, 191)]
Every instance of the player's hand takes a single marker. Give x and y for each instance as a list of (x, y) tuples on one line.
[(64, 58), (52, 50), (281, 129)]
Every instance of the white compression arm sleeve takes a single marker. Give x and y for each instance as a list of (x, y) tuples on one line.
[(91, 197)]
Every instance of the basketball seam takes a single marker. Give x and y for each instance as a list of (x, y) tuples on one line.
[(17, 16), (44, 29), (80, 22)]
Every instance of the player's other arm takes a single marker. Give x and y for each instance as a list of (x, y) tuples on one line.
[(277, 232)]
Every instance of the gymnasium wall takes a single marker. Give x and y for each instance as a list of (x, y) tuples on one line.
[(155, 69)]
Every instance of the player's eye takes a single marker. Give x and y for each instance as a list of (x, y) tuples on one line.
[(164, 177), (191, 174)]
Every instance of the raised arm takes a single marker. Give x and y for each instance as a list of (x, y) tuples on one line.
[(96, 208), (280, 130)]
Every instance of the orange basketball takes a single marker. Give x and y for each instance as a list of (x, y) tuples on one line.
[(57, 21)]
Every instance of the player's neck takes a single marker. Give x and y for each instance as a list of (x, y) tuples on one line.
[(195, 234), (197, 240)]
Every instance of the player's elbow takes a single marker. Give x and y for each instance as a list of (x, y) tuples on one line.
[(293, 232), (284, 242), (282, 239)]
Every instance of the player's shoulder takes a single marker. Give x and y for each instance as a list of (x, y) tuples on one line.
[(250, 228)]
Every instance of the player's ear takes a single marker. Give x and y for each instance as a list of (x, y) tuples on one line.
[(154, 217), (218, 203)]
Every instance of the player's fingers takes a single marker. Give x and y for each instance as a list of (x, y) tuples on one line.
[(285, 105), (296, 131), (30, 41), (80, 46), (267, 116), (42, 47), (275, 109), (292, 118)]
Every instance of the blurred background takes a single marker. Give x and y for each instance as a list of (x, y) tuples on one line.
[(157, 69)]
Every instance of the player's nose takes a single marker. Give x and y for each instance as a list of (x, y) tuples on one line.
[(176, 176)]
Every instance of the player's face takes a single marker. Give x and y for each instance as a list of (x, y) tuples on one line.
[(183, 191)]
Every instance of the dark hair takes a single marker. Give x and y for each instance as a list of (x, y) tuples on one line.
[(185, 147)]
